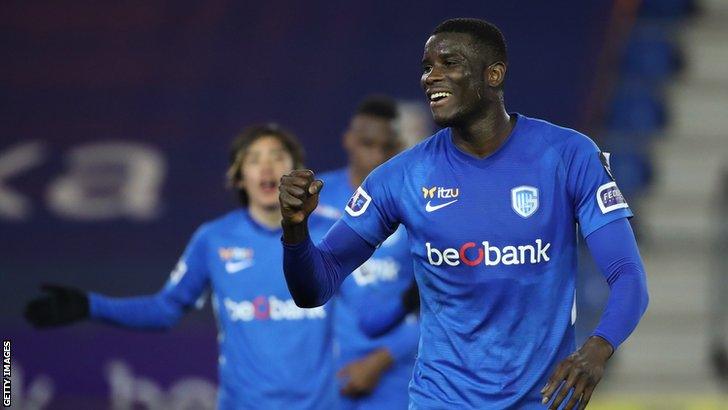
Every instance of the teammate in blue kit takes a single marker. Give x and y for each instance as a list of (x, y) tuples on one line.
[(491, 205), (373, 372), (273, 354)]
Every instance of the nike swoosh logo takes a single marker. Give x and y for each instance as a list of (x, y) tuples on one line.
[(430, 208), (232, 267)]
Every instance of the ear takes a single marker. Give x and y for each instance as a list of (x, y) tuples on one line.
[(495, 74), (240, 184), (347, 141)]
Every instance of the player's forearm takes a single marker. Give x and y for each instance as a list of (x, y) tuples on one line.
[(627, 303), (294, 234), (314, 273), (142, 312), (615, 251), (311, 280)]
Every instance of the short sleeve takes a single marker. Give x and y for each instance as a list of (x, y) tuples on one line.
[(190, 277), (372, 210), (597, 198)]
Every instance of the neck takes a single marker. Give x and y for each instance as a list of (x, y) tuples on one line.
[(267, 216), (484, 135), (356, 177)]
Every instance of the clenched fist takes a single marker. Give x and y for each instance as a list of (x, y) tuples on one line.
[(299, 196)]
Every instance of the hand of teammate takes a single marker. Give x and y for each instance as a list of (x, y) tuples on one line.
[(299, 195), (580, 372), (362, 376), (59, 306)]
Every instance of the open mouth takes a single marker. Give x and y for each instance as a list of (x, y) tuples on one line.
[(269, 186), (439, 98)]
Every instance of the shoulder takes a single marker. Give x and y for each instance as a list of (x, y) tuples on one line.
[(232, 220), (567, 142)]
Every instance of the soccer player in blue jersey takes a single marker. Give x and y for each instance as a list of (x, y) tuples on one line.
[(373, 372), (273, 354), (491, 204)]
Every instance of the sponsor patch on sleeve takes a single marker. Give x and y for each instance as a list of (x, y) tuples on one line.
[(610, 198), (358, 202)]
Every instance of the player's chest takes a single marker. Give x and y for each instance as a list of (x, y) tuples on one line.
[(246, 269), (518, 201)]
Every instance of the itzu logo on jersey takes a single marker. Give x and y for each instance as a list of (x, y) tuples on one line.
[(269, 308), (439, 193), (489, 255)]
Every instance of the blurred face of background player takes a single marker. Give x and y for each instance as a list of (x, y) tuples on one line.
[(454, 63), (369, 142), (262, 165)]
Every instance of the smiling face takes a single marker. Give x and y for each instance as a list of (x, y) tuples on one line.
[(263, 164), (457, 79)]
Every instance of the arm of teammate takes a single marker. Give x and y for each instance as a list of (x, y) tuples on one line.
[(314, 273), (153, 312), (384, 315), (614, 249), (363, 375), (401, 339), (63, 305)]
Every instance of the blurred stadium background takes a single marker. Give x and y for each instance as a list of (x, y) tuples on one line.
[(115, 121)]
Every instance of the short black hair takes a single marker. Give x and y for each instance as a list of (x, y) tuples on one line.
[(246, 137), (485, 33), (379, 106)]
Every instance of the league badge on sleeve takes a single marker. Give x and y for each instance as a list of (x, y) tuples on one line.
[(609, 198), (524, 200), (358, 202)]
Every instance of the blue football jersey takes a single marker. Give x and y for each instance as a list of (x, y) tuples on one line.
[(273, 354), (384, 277), (494, 248)]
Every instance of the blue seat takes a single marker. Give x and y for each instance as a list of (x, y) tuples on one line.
[(667, 9), (651, 55), (636, 108)]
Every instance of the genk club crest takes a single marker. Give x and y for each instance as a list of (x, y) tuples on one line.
[(524, 200)]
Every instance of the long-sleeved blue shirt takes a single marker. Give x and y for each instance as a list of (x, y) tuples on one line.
[(273, 354), (494, 246)]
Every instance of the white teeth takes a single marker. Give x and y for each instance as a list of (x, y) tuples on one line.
[(437, 96)]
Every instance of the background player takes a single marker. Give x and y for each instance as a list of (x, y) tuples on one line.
[(373, 372), (490, 205), (261, 332)]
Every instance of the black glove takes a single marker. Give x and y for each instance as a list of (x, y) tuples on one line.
[(59, 306), (411, 298)]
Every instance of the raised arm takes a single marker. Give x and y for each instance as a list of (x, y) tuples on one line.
[(315, 272)]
